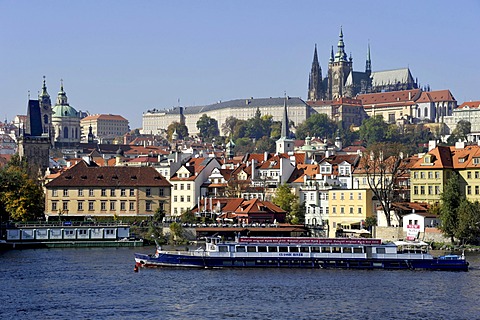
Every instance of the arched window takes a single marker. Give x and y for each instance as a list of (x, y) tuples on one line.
[(45, 119), (426, 112), (76, 133), (65, 132)]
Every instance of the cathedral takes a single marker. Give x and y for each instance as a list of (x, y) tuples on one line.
[(342, 82)]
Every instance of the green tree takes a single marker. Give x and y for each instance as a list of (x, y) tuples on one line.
[(188, 217), (177, 233), (297, 215), (451, 198), (317, 125), (286, 200), (208, 127), (265, 144), (181, 129), (468, 229), (373, 130)]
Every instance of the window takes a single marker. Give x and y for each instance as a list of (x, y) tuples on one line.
[(181, 186), (65, 205), (161, 192), (112, 205), (437, 175), (422, 175), (132, 192), (90, 205), (415, 190), (148, 206), (65, 192), (148, 192), (54, 193), (123, 192), (132, 206), (476, 190), (469, 189), (80, 206), (112, 192), (90, 193), (341, 196), (360, 210), (351, 210), (175, 198), (415, 175), (103, 205), (188, 186), (123, 205), (437, 189), (188, 198), (104, 192), (334, 196), (342, 210), (422, 189), (430, 189), (174, 187), (182, 199), (430, 175), (359, 196), (477, 174), (80, 192), (54, 206), (351, 195), (469, 174)]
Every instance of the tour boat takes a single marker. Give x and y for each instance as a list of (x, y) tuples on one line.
[(303, 252)]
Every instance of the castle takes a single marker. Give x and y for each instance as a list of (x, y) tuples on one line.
[(342, 82)]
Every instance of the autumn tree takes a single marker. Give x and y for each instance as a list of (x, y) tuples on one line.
[(383, 166), (21, 197)]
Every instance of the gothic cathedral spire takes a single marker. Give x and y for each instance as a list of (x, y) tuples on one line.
[(315, 87), (285, 132), (368, 65)]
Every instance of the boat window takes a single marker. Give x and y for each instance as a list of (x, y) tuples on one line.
[(283, 249), (251, 249), (315, 249), (381, 250), (272, 249), (336, 249), (262, 249), (357, 250), (240, 249), (304, 249), (326, 249), (347, 250), (223, 248), (294, 249)]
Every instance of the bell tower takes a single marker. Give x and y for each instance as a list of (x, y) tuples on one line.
[(339, 68)]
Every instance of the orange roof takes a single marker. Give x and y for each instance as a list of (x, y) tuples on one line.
[(470, 104), (104, 117)]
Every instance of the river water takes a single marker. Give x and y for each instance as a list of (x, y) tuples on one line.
[(99, 283)]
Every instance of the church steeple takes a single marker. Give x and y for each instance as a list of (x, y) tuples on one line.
[(62, 96), (368, 65), (340, 55), (285, 132), (315, 88)]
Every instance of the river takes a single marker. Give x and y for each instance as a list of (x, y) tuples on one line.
[(99, 283)]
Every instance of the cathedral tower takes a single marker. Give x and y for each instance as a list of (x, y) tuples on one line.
[(338, 70), (315, 87)]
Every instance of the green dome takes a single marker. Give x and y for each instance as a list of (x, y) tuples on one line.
[(64, 111)]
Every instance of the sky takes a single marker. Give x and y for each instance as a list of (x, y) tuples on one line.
[(126, 57)]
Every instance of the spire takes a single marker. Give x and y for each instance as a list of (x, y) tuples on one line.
[(368, 65), (285, 132), (62, 96), (341, 55), (331, 55), (315, 91)]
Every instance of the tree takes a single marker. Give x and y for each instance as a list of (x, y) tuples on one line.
[(228, 127), (373, 130), (265, 144), (297, 215), (286, 200), (181, 129), (468, 229), (188, 217), (21, 197), (451, 198), (460, 132), (208, 127), (317, 125), (383, 165)]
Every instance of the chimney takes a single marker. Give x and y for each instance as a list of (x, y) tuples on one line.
[(265, 156), (253, 169)]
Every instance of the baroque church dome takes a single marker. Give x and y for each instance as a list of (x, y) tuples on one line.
[(62, 108)]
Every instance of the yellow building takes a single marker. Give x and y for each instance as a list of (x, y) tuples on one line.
[(430, 174), (89, 190), (348, 209)]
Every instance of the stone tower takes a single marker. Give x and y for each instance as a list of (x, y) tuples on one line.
[(339, 68), (315, 84)]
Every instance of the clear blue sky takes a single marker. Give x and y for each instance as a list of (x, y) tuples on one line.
[(125, 57)]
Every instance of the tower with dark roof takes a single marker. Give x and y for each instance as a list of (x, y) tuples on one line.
[(285, 143), (315, 85), (338, 71)]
